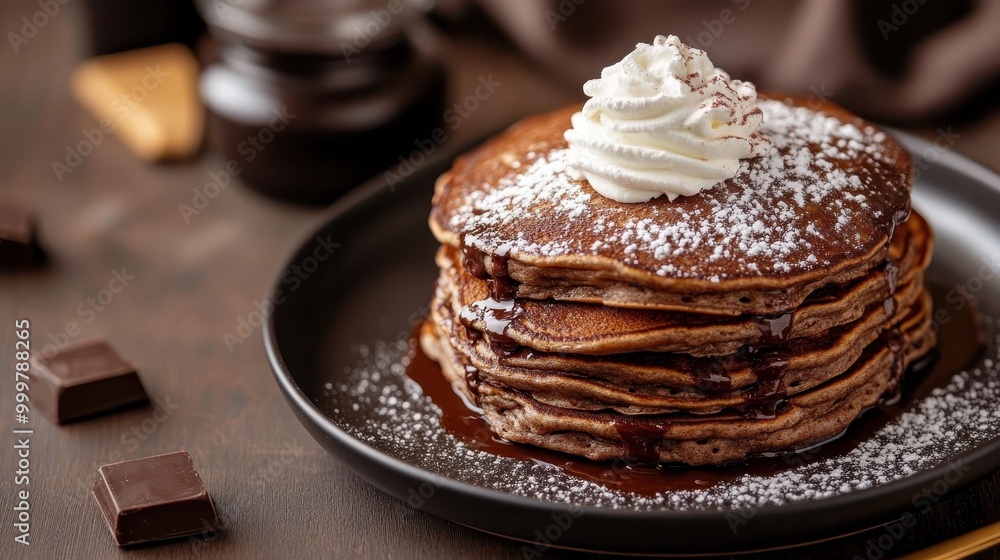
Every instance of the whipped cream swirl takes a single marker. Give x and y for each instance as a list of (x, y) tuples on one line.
[(664, 121)]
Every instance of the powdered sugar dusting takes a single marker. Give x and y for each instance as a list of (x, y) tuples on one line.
[(401, 421), (754, 225)]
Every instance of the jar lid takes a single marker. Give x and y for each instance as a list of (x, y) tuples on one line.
[(346, 26)]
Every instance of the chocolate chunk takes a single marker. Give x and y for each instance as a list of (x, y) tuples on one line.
[(154, 498), (18, 243), (83, 380)]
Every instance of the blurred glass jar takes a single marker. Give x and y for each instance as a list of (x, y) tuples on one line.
[(122, 25), (311, 97)]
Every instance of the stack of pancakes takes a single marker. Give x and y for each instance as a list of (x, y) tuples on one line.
[(762, 315)]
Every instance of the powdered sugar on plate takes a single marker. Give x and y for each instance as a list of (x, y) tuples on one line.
[(400, 420)]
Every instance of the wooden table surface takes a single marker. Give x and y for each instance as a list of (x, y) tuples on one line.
[(279, 494)]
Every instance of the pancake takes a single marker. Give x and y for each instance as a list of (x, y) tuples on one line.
[(761, 315), (595, 329), (819, 209)]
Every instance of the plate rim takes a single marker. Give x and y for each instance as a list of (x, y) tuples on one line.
[(887, 496)]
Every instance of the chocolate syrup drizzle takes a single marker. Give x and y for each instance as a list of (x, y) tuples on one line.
[(497, 316), (774, 329), (497, 277), (497, 311), (768, 397), (892, 280), (472, 381), (641, 443), (896, 342), (894, 338)]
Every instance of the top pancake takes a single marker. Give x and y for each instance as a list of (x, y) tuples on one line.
[(820, 207)]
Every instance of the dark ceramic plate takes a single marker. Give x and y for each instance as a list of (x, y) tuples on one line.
[(337, 341)]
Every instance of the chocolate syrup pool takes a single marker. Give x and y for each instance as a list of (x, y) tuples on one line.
[(960, 345)]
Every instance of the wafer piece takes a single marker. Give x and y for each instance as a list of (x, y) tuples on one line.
[(148, 97)]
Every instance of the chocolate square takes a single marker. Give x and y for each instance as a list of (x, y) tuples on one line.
[(154, 498), (83, 380), (18, 244)]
